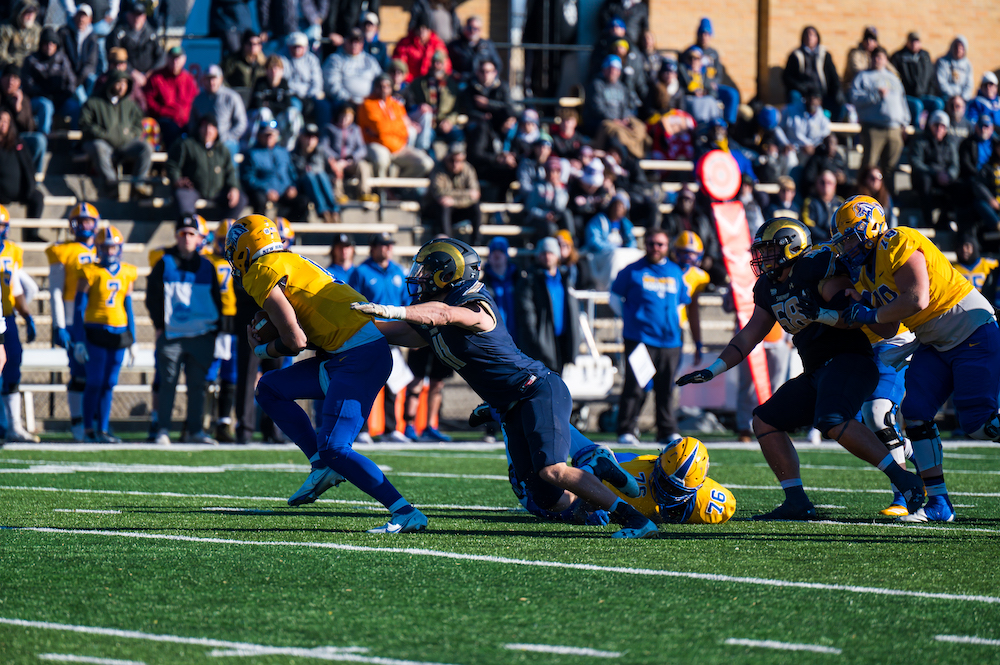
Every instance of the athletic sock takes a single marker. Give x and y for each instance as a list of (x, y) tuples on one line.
[(935, 486), (401, 507), (794, 492), (363, 474), (897, 475)]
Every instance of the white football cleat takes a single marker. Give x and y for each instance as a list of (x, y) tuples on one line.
[(411, 522), (628, 440)]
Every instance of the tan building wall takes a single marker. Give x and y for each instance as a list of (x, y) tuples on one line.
[(840, 23), (735, 23), (396, 17)]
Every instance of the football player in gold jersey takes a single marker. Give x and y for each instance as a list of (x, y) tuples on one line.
[(902, 277)]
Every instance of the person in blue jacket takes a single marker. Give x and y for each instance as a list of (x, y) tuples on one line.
[(268, 176)]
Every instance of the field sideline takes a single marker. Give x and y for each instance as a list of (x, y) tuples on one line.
[(142, 554)]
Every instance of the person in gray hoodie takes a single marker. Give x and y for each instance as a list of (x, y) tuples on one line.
[(954, 71), (880, 100), (349, 73), (215, 99), (302, 68)]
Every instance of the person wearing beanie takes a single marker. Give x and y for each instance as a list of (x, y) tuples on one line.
[(975, 149), (987, 102), (80, 44), (47, 76), (859, 58), (953, 71), (916, 71), (608, 113), (545, 310), (713, 72), (606, 232), (500, 277), (111, 123), (934, 161), (139, 39)]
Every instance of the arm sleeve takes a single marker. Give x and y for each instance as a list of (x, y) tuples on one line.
[(239, 127), (79, 307), (131, 316), (57, 283), (154, 295)]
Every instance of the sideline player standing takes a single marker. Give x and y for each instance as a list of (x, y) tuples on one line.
[(309, 307), (904, 278), (65, 261), (789, 279), (11, 262), (105, 325), (455, 315)]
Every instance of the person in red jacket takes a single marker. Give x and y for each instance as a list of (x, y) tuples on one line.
[(417, 50), (170, 92)]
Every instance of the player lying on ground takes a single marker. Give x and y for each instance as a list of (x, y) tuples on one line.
[(839, 368), (903, 278), (673, 486), (308, 307), (456, 316)]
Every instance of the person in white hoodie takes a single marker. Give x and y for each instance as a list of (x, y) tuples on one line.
[(954, 71)]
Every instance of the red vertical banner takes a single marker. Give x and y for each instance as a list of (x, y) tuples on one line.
[(734, 236)]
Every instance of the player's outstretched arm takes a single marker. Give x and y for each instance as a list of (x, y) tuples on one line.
[(474, 317), (399, 333), (739, 348)]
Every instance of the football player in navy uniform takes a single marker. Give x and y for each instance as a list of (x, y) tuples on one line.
[(839, 367), (456, 316)]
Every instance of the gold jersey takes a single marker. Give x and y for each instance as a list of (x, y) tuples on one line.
[(106, 298), (321, 303), (947, 285), (72, 255), (695, 281), (11, 259), (978, 273), (713, 503), (224, 272)]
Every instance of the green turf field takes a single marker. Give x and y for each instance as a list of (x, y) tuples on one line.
[(192, 556)]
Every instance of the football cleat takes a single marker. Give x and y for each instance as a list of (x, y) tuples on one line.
[(897, 508), (788, 512), (432, 434), (163, 437), (21, 435), (410, 432), (628, 440), (938, 509), (395, 436), (319, 481), (602, 463), (647, 530), (364, 437), (411, 522), (913, 492)]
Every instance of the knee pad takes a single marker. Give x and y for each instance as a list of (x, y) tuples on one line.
[(880, 417), (77, 384), (990, 431), (926, 441)]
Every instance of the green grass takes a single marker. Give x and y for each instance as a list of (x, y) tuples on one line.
[(405, 604)]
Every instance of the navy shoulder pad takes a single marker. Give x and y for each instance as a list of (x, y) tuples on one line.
[(463, 294)]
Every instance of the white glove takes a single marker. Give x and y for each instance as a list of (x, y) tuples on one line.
[(131, 353), (380, 311), (223, 346), (80, 352)]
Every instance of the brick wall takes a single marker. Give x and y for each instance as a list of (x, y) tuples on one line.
[(735, 23), (395, 17)]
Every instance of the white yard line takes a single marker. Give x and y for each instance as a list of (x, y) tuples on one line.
[(963, 639), (82, 510), (283, 500), (346, 654), (784, 646), (830, 506), (563, 651), (70, 658), (831, 467), (413, 551)]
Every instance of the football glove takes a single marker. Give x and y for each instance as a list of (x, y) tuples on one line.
[(859, 314), (700, 376), (380, 311), (29, 326), (80, 352), (131, 353), (64, 339), (810, 309)]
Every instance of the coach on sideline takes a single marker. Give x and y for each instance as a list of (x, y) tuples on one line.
[(182, 296)]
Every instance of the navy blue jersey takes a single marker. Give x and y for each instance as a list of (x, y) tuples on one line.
[(488, 361), (816, 342)]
